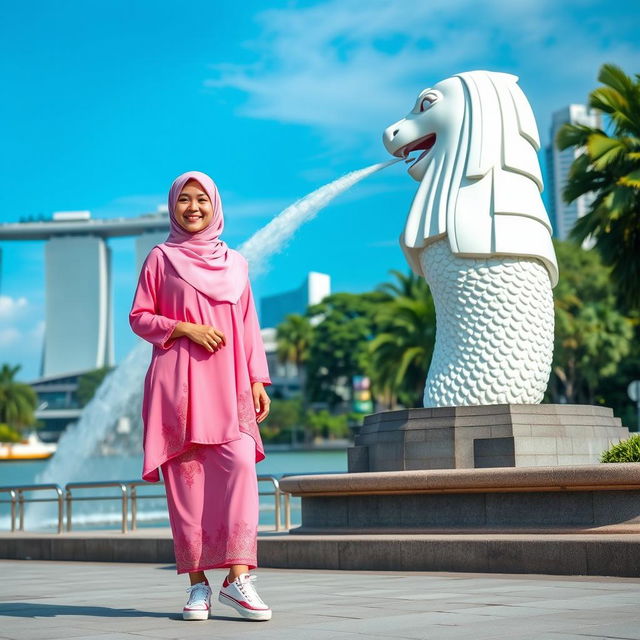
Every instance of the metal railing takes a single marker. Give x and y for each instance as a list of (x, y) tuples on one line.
[(69, 497), (127, 495), (17, 499)]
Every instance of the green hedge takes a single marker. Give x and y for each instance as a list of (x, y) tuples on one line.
[(625, 451)]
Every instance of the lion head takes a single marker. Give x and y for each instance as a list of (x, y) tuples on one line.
[(478, 170)]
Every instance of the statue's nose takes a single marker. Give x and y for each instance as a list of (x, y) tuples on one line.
[(391, 132)]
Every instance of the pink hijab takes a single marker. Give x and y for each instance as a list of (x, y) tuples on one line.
[(202, 259)]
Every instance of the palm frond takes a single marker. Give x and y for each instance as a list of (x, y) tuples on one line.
[(573, 135)]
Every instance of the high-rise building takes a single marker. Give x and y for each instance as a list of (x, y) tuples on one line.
[(78, 301), (314, 288), (78, 298), (285, 376), (563, 216)]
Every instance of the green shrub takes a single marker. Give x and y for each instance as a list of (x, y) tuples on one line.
[(9, 434), (625, 451), (326, 425)]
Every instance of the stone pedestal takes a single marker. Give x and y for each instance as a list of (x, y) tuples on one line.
[(522, 435), (574, 520)]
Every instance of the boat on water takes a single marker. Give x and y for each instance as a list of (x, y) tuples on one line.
[(29, 448)]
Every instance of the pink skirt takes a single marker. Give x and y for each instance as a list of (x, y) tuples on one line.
[(212, 497)]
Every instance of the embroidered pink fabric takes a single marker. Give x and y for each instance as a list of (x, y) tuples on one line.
[(192, 395), (212, 496)]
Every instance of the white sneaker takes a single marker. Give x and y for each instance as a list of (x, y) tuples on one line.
[(199, 604), (243, 597)]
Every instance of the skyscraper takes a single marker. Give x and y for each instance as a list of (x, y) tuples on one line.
[(274, 308), (79, 313), (563, 216), (286, 376)]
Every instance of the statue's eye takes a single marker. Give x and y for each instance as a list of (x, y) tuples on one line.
[(427, 101)]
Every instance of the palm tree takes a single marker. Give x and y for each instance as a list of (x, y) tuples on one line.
[(609, 168), (401, 352), (408, 285), (18, 401), (293, 338)]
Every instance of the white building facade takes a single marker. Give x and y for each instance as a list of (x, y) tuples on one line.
[(316, 286), (563, 216)]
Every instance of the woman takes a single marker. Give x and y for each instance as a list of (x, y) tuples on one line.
[(204, 396)]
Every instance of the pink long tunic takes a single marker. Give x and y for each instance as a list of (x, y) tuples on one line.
[(192, 395)]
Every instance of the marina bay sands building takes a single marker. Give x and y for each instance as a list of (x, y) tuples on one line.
[(78, 304)]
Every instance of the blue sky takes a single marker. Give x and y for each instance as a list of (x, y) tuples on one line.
[(104, 103)]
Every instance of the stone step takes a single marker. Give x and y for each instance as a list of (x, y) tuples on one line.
[(568, 553), (556, 554)]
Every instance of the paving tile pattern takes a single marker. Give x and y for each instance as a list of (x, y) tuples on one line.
[(113, 601)]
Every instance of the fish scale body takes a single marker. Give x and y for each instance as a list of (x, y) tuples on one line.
[(494, 328)]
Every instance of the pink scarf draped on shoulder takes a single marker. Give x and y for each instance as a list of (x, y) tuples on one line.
[(202, 259)]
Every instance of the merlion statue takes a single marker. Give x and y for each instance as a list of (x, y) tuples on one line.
[(477, 230)]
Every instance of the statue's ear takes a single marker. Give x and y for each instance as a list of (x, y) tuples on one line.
[(483, 109)]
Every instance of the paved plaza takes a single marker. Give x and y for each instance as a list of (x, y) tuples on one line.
[(112, 601)]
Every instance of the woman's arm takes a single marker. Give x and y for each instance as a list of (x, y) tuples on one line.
[(253, 345), (181, 329), (143, 319)]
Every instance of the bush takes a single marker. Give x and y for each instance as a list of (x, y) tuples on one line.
[(284, 417), (325, 425), (9, 434), (625, 451)]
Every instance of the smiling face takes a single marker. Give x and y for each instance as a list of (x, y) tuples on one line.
[(194, 210), (431, 127)]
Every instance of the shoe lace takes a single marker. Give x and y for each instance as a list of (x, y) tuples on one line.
[(248, 590), (198, 591)]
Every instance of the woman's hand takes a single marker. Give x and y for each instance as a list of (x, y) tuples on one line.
[(261, 401), (203, 334)]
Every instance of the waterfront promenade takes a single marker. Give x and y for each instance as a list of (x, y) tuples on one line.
[(112, 601)]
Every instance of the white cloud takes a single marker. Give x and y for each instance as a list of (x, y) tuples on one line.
[(348, 67), (14, 331), (12, 308)]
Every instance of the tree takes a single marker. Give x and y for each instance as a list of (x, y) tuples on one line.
[(609, 167), (322, 424), (285, 418), (293, 338), (18, 401), (401, 352), (591, 336), (612, 391), (338, 350), (89, 382)]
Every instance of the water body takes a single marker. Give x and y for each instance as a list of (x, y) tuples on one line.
[(120, 393), (152, 512)]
